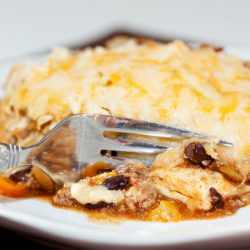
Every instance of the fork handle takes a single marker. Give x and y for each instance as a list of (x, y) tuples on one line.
[(11, 155)]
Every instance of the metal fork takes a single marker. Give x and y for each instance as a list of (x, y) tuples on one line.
[(82, 139)]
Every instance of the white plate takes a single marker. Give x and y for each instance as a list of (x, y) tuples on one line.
[(40, 219)]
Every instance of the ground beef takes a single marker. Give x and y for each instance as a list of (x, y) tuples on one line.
[(63, 198), (134, 170), (142, 195)]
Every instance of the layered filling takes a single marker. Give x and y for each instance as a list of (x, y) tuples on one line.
[(185, 182), (196, 179)]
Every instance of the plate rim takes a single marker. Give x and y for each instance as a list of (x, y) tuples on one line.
[(17, 220)]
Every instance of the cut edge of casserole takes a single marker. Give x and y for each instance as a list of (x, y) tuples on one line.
[(202, 89)]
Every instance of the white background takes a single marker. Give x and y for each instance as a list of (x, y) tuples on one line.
[(31, 25)]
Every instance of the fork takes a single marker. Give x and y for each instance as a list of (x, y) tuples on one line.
[(82, 139)]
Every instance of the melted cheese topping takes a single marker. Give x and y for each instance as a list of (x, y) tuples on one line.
[(193, 88)]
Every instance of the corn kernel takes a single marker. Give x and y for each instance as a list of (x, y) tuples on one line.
[(166, 211)]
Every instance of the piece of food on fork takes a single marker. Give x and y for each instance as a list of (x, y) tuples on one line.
[(199, 89)]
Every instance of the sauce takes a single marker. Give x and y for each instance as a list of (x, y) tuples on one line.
[(115, 213)]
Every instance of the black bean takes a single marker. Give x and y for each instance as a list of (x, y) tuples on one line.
[(216, 198), (20, 176), (100, 204), (116, 182), (196, 153)]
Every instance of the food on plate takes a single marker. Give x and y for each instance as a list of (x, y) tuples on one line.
[(202, 89)]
